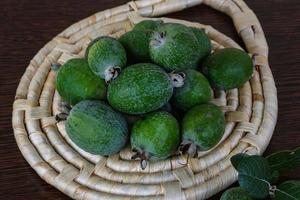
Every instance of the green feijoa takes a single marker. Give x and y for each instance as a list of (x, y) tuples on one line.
[(228, 68), (97, 128), (139, 89), (154, 137), (202, 128), (106, 57), (136, 44), (203, 40), (175, 47), (147, 25), (196, 90), (76, 82)]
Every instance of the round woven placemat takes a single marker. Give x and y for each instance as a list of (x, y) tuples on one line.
[(251, 113)]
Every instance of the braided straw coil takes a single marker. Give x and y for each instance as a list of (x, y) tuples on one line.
[(251, 114)]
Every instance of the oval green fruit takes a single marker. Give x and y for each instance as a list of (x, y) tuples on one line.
[(236, 193), (202, 128), (97, 128), (228, 68), (139, 89), (175, 47), (203, 41), (136, 44), (106, 56), (147, 25), (196, 90), (76, 82), (154, 137)]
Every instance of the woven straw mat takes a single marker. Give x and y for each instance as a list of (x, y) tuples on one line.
[(251, 114)]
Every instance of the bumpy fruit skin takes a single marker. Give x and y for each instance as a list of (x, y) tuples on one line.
[(175, 47), (97, 128), (147, 25), (139, 89), (76, 82), (157, 134), (235, 194), (228, 68), (196, 90), (204, 125), (136, 44), (203, 40), (105, 53)]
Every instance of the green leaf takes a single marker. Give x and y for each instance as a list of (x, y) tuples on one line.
[(284, 161), (289, 190), (254, 175), (275, 177), (236, 159), (235, 193)]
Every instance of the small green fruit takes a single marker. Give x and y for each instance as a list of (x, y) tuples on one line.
[(228, 68), (106, 57), (139, 89), (203, 40), (202, 127), (196, 90), (136, 42), (155, 137), (97, 128), (175, 47), (147, 25), (76, 82)]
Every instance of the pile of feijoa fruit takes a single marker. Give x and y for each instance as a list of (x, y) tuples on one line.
[(150, 88)]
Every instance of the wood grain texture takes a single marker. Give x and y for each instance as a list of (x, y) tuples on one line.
[(26, 26)]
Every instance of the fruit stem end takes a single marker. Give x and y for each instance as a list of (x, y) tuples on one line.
[(188, 147), (158, 39), (177, 79), (111, 73), (55, 66), (143, 156), (61, 117)]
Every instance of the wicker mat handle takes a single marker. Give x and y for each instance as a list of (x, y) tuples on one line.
[(244, 19)]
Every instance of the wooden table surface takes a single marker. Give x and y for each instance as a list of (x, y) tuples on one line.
[(25, 26)]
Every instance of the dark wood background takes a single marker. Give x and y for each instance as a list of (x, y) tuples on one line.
[(25, 26)]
